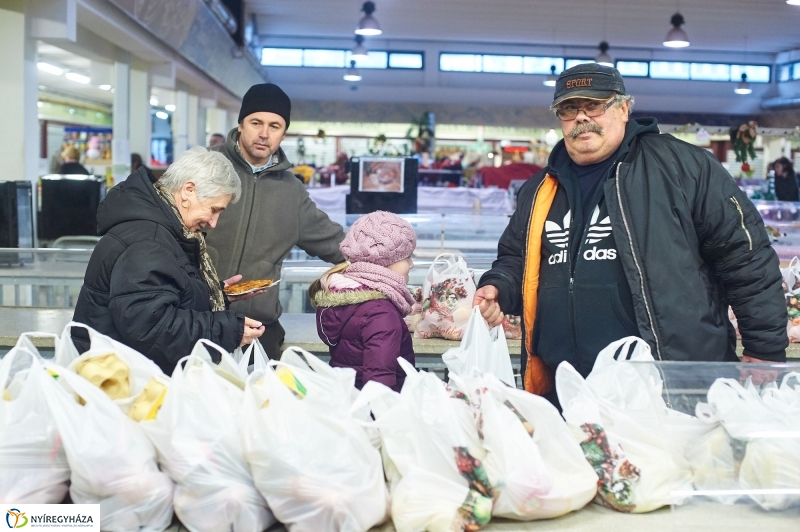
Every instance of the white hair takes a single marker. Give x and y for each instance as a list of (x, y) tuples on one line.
[(211, 171), (619, 99)]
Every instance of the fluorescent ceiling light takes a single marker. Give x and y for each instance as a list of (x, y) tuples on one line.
[(162, 115), (77, 78), (153, 101), (793, 2), (676, 37), (104, 87), (50, 69), (39, 104), (368, 25), (169, 107)]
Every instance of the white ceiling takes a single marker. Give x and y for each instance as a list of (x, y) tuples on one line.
[(71, 62), (767, 26)]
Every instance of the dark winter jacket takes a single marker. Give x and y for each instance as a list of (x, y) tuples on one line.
[(143, 285), (786, 187), (254, 236), (366, 332), (690, 243)]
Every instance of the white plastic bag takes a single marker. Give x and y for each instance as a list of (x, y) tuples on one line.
[(196, 434), (537, 468), (112, 462), (481, 350), (635, 443), (313, 464), (447, 294), (255, 351), (770, 470), (32, 460)]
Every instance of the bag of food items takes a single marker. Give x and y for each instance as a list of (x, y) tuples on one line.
[(481, 350), (112, 463), (416, 309), (512, 326), (312, 462), (436, 475), (791, 290), (537, 468), (767, 422), (447, 294), (636, 444), (33, 465), (196, 434)]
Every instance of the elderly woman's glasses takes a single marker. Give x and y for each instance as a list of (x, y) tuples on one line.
[(591, 109)]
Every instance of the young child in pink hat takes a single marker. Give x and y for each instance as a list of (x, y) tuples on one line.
[(361, 303)]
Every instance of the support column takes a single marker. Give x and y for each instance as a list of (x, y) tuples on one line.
[(202, 137), (217, 121), (193, 103), (19, 136), (180, 124), (140, 126), (121, 146)]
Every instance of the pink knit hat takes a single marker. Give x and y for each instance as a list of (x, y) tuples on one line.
[(380, 238)]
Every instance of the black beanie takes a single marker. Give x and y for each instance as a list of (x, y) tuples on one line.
[(266, 98)]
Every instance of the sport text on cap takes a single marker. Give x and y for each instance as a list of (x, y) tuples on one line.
[(589, 80)]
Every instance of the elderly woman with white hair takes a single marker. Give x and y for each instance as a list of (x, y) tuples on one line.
[(150, 283)]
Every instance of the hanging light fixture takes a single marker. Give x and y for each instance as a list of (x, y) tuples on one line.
[(368, 25), (744, 86), (676, 37), (352, 73), (793, 2), (359, 51), (550, 80), (603, 58)]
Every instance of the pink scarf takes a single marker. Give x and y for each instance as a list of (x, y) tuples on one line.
[(385, 281)]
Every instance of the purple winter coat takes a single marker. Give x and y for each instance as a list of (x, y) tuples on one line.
[(368, 337)]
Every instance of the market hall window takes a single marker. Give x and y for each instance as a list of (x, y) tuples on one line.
[(334, 58), (405, 60), (635, 69), (460, 62)]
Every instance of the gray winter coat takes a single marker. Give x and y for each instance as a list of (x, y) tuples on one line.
[(255, 235)]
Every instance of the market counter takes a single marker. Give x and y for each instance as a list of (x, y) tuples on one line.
[(300, 329)]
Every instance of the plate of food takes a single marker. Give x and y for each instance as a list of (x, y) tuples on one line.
[(245, 287)]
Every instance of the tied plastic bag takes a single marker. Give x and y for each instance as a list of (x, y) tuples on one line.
[(447, 294), (437, 483), (310, 460), (537, 468), (196, 434), (634, 442), (134, 382), (112, 462), (482, 350), (770, 426), (255, 352), (32, 460)]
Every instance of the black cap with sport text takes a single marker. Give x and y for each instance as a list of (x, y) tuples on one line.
[(589, 80)]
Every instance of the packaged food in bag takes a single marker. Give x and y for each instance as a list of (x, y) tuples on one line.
[(447, 294), (312, 462), (32, 459), (196, 434)]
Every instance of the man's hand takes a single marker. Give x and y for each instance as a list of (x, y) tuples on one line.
[(252, 330), (235, 279), (486, 300), (759, 376)]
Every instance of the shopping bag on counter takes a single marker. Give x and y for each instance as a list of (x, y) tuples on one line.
[(416, 309), (112, 462), (133, 381), (196, 434), (33, 465), (437, 483), (537, 468), (447, 294), (770, 469), (481, 350), (634, 442), (312, 462)]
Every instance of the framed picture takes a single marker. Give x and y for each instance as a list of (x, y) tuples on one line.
[(381, 174)]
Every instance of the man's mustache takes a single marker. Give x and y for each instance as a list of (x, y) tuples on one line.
[(586, 127)]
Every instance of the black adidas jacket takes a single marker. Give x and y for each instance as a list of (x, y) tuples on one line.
[(690, 243)]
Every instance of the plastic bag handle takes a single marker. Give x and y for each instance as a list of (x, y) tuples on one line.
[(299, 357), (786, 378), (408, 367), (259, 357), (372, 390), (8, 361)]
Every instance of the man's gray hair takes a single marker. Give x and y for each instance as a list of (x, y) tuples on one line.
[(619, 99), (211, 171)]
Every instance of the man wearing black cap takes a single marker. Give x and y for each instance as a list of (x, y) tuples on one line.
[(628, 232), (255, 235)]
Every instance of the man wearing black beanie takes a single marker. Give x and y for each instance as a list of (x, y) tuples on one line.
[(255, 235)]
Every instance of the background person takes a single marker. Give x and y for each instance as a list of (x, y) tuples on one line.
[(786, 186), (361, 303), (150, 283), (217, 139), (257, 234), (71, 155), (629, 232)]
